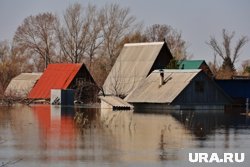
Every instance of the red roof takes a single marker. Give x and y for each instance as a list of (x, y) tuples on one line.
[(56, 76)]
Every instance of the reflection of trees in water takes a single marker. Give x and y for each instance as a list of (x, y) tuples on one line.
[(166, 153), (87, 118)]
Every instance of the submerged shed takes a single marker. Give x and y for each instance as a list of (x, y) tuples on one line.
[(66, 76), (135, 62), (21, 85), (177, 88), (115, 103)]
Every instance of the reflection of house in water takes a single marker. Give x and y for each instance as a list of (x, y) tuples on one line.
[(200, 123), (135, 62), (213, 125), (57, 129), (145, 137), (178, 88)]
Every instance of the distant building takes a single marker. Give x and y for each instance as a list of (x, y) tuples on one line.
[(21, 85), (164, 89), (66, 76), (135, 62), (195, 64), (237, 89)]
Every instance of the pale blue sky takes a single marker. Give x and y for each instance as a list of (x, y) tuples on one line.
[(196, 19)]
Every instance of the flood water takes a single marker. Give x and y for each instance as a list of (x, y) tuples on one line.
[(54, 136)]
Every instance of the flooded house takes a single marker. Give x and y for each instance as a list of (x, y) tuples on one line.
[(64, 77), (135, 62), (21, 85), (178, 89), (195, 64), (238, 90)]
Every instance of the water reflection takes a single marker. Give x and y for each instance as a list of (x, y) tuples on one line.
[(55, 136)]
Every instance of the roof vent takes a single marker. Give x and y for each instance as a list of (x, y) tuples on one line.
[(161, 77)]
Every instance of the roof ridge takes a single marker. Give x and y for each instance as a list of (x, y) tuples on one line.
[(143, 43), (177, 70)]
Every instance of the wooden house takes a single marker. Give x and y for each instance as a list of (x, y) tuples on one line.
[(21, 85), (66, 76), (195, 64), (164, 89), (135, 62)]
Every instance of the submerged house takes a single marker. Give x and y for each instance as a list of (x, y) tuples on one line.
[(135, 62), (237, 89), (21, 85), (195, 64), (66, 76), (179, 89)]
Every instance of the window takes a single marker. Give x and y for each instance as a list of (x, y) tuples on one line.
[(80, 81), (199, 86)]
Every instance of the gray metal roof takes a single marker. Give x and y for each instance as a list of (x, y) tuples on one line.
[(115, 101), (131, 67), (150, 91), (21, 85)]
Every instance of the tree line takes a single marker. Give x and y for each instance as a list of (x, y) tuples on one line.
[(94, 36)]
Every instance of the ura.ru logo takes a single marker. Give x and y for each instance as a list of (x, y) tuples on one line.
[(214, 157)]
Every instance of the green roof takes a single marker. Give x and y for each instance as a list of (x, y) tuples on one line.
[(190, 64)]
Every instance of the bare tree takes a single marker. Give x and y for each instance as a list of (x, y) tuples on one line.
[(246, 67), (36, 35), (12, 63), (73, 34), (161, 32), (95, 33), (116, 23), (225, 51)]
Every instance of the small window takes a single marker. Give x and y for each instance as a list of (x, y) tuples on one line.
[(199, 86), (80, 81)]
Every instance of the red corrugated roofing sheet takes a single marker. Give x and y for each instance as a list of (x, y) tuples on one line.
[(56, 76)]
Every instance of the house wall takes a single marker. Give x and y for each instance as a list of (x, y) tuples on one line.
[(212, 94), (162, 59), (206, 69)]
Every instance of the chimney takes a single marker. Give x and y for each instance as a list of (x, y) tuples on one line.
[(161, 77)]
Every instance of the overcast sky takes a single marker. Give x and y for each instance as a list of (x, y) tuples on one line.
[(196, 19)]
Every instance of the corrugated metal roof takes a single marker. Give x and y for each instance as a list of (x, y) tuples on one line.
[(150, 91), (190, 64), (21, 85), (132, 65), (115, 101), (56, 76)]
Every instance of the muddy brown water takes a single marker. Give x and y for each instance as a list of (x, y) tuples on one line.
[(64, 136)]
